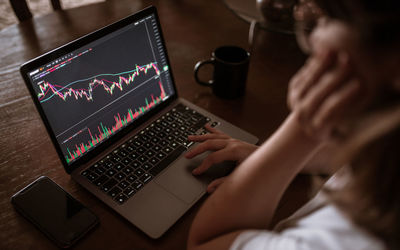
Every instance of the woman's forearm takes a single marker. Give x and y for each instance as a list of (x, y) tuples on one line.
[(250, 195)]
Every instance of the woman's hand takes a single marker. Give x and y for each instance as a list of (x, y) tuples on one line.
[(323, 93), (224, 148)]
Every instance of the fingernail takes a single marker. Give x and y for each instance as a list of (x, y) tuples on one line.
[(195, 171), (211, 190)]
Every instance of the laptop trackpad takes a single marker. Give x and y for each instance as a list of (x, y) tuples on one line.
[(179, 180)]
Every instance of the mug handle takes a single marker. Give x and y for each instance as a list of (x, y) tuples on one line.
[(196, 71)]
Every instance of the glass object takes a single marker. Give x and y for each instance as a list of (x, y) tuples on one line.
[(273, 15), (277, 14), (306, 16)]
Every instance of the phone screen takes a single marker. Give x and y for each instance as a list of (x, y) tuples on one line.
[(55, 212)]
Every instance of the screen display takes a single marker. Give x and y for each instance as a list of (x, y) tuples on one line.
[(55, 212), (90, 94)]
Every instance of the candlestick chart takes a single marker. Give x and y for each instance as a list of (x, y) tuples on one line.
[(47, 90), (96, 90), (104, 132)]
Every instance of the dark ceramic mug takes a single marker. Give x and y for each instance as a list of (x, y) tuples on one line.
[(231, 64)]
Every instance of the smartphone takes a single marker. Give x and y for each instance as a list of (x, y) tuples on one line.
[(54, 212)]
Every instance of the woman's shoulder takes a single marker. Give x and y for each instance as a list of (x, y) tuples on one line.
[(319, 224), (326, 228)]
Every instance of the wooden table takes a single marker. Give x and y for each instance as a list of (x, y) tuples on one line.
[(192, 29)]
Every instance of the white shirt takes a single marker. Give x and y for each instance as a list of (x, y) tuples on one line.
[(317, 225)]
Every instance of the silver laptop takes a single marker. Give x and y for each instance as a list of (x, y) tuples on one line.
[(110, 106)]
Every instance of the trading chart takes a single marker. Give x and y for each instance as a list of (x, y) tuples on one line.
[(91, 93)]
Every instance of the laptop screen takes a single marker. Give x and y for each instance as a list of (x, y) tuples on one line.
[(88, 95)]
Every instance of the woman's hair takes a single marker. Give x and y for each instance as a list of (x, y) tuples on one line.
[(378, 21), (372, 199)]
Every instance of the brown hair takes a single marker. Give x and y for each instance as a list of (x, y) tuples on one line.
[(378, 21), (372, 198)]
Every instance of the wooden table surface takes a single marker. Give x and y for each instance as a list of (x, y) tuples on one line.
[(192, 29)]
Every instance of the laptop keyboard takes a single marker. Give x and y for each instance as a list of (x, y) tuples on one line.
[(132, 165)]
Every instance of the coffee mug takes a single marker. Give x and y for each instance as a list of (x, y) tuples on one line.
[(231, 64)]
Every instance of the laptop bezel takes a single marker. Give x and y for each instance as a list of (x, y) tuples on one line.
[(76, 44)]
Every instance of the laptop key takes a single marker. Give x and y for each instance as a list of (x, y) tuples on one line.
[(142, 159), (165, 124), (92, 176), (126, 161), (123, 184), (137, 143), (133, 156), (108, 185), (122, 153), (158, 128), (149, 153), (146, 166), (130, 148), (154, 160), (111, 172), (100, 170), (167, 150), (139, 172), (167, 160), (161, 134), (174, 145), (160, 155), (179, 140), (163, 143), (101, 180), (121, 198), (128, 170), (114, 192), (131, 178), (145, 178), (94, 167), (119, 166), (188, 144), (176, 133), (156, 148), (129, 191), (137, 185), (135, 164), (115, 158), (120, 176), (144, 138), (108, 164), (141, 150)]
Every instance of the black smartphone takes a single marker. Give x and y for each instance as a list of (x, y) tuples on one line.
[(54, 212)]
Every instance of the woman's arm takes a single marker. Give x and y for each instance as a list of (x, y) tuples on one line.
[(320, 96), (249, 196)]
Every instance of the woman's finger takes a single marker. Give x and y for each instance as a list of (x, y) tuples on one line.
[(209, 145), (328, 83), (201, 138), (309, 77), (214, 184), (213, 158), (334, 106), (213, 130)]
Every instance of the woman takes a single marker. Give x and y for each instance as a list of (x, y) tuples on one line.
[(345, 106)]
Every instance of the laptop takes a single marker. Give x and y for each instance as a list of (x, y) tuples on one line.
[(109, 103)]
